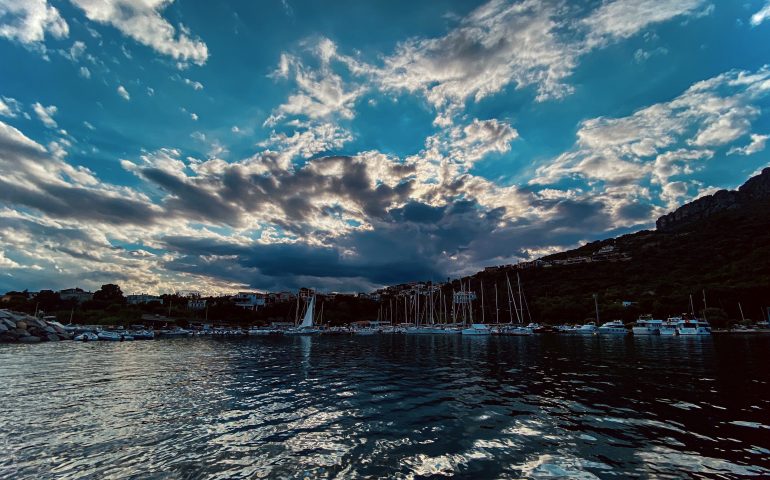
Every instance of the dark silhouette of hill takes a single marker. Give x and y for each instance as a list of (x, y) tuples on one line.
[(719, 243)]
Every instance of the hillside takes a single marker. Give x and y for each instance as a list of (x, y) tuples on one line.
[(718, 243)]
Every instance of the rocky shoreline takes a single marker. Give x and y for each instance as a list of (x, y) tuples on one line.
[(18, 327)]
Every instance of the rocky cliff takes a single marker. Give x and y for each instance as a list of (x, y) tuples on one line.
[(755, 189)]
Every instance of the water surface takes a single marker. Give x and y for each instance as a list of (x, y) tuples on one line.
[(396, 406)]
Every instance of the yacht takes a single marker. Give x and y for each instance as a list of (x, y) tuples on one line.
[(306, 327), (589, 328), (86, 337), (668, 328), (693, 327), (646, 325), (418, 330), (477, 329), (366, 331), (614, 327)]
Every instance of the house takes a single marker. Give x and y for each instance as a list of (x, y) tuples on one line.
[(77, 294), (196, 303), (464, 297), (143, 298), (249, 300), (306, 293)]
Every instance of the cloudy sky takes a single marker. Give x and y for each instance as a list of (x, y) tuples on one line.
[(344, 145)]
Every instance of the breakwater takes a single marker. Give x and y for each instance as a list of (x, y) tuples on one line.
[(23, 328)]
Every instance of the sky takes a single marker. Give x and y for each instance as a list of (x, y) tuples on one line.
[(220, 146)]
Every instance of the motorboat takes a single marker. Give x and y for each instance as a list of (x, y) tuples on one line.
[(693, 327), (109, 336), (614, 327), (261, 332), (86, 337), (515, 330), (176, 332), (143, 334), (589, 328), (477, 329), (646, 325), (668, 327), (366, 331)]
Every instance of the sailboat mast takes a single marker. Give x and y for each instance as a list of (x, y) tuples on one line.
[(483, 317), (497, 309)]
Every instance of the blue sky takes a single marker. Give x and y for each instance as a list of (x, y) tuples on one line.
[(219, 146)]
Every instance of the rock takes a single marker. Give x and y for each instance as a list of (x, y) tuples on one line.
[(20, 332), (755, 188), (59, 329), (29, 339), (64, 336), (9, 323), (21, 324), (3, 328), (52, 337), (49, 329), (7, 337)]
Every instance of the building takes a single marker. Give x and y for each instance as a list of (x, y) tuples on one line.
[(143, 298), (306, 293), (249, 300), (77, 294), (196, 303)]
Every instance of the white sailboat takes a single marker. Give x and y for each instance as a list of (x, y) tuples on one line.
[(306, 327)]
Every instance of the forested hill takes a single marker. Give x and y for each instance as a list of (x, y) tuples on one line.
[(718, 243)]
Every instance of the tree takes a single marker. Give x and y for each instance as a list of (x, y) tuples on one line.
[(109, 293)]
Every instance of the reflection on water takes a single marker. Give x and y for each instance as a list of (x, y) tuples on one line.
[(397, 406)]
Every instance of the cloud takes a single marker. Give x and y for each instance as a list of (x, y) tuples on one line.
[(195, 85), (762, 15), (756, 145), (321, 93), (39, 178), (29, 21), (142, 21), (622, 19), (84, 72), (9, 107), (710, 114), (45, 114), (123, 92), (6, 262)]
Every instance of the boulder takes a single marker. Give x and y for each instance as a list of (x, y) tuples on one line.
[(7, 337), (65, 336), (29, 339), (9, 323), (21, 324), (20, 332), (3, 328), (52, 337), (59, 329), (49, 329)]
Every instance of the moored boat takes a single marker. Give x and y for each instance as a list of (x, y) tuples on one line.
[(477, 329), (86, 337), (646, 325), (614, 327)]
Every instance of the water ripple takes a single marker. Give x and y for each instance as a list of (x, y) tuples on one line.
[(401, 407)]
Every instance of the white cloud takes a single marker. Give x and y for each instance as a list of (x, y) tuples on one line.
[(194, 116), (84, 72), (624, 18), (88, 125), (762, 15), (195, 85), (45, 114), (9, 107), (756, 145), (142, 21), (123, 92), (28, 21), (235, 129), (6, 262), (710, 114)]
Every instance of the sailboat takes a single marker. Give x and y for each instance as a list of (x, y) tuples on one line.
[(306, 327)]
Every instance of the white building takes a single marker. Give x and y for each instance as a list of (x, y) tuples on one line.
[(249, 300), (143, 298), (196, 304), (77, 294)]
